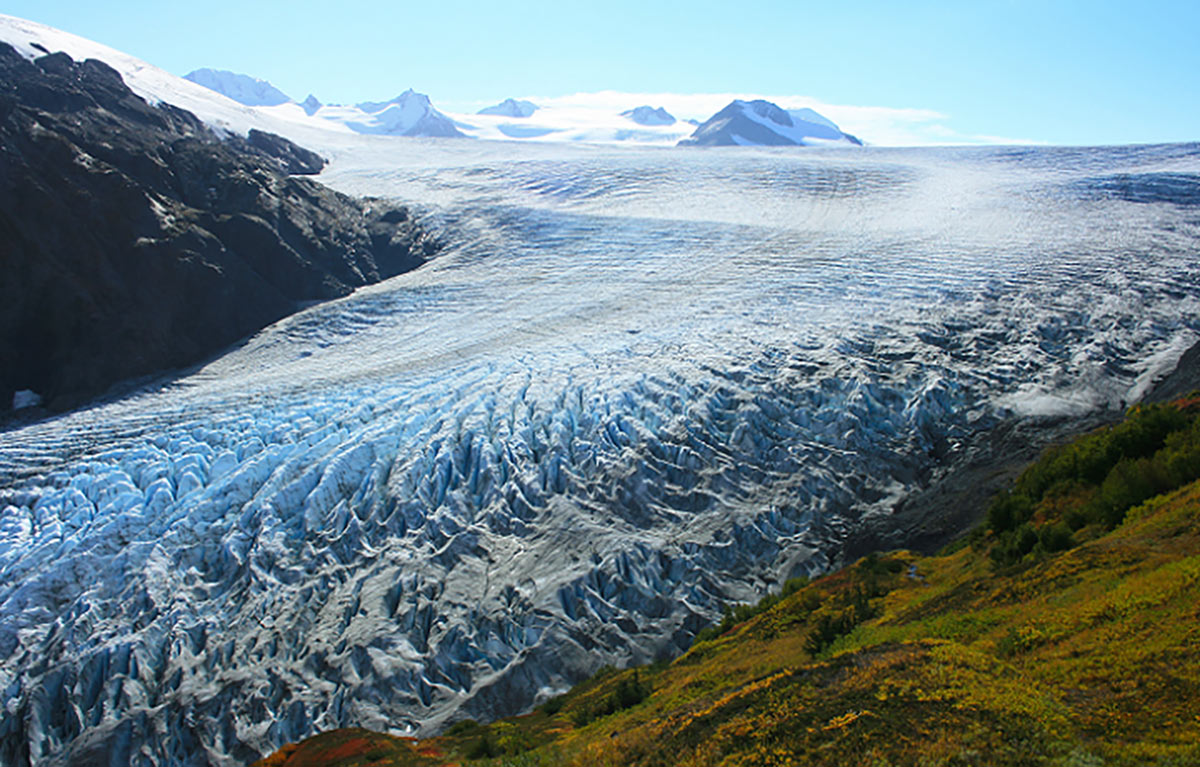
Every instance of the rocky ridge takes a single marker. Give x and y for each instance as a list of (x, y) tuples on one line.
[(138, 240)]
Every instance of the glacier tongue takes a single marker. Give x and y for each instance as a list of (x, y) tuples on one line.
[(637, 388)]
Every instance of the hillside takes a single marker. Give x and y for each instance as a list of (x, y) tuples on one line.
[(1064, 632), (138, 240)]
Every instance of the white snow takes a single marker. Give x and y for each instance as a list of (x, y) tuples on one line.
[(811, 116), (571, 124), (243, 89)]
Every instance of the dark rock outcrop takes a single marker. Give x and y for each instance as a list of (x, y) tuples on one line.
[(294, 160), (1181, 381), (134, 240)]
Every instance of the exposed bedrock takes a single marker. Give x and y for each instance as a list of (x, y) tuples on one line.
[(136, 240)]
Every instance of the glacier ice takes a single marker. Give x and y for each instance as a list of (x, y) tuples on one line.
[(636, 386)]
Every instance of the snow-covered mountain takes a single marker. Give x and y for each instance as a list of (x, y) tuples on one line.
[(159, 86), (325, 128), (243, 89), (648, 115), (762, 123), (409, 114), (510, 108), (310, 105)]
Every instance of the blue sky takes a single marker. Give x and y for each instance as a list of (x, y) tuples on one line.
[(1054, 72)]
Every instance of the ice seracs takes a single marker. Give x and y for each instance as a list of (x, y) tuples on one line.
[(510, 108), (243, 89), (647, 115), (762, 123)]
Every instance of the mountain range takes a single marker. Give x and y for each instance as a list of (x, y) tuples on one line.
[(241, 88), (229, 101), (741, 123)]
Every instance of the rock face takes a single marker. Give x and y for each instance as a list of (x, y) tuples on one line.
[(295, 160), (761, 123), (136, 240)]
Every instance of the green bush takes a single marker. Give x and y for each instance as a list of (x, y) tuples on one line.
[(629, 692), (1056, 537), (482, 749), (733, 615), (461, 726), (1095, 481), (792, 585)]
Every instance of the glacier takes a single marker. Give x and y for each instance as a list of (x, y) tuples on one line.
[(637, 384)]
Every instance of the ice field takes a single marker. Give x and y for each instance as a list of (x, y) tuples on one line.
[(637, 384)]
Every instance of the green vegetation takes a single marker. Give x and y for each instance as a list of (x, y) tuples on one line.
[(629, 692), (1064, 632), (736, 614), (1095, 480)]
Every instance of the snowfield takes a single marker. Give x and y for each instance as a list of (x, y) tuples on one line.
[(637, 384)]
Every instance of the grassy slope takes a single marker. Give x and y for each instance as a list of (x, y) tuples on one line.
[(1083, 657)]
